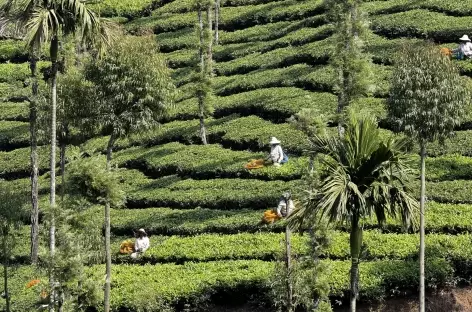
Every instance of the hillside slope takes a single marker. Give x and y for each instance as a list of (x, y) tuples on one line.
[(199, 203)]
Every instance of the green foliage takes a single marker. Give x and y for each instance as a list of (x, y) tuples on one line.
[(132, 85), (12, 50), (126, 8), (171, 191), (11, 111), (352, 75), (14, 134), (452, 7), (427, 97), (308, 277), (167, 221), (10, 72), (90, 180), (194, 283), (204, 162), (422, 24), (232, 17)]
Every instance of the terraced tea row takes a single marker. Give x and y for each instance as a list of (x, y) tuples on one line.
[(270, 246), (442, 218), (195, 283), (232, 18)]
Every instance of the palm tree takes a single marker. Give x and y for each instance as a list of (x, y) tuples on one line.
[(45, 22), (365, 175)]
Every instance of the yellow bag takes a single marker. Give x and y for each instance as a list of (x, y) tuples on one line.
[(254, 164), (270, 217), (126, 247)]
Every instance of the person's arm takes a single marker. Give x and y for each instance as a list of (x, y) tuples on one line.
[(145, 244), (281, 153), (137, 245), (279, 208)]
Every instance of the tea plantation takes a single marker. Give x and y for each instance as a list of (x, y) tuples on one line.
[(198, 203)]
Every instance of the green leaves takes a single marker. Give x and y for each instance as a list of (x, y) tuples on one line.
[(89, 179), (132, 85), (427, 96)]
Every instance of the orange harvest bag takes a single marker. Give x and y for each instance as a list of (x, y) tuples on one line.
[(126, 247), (446, 52), (254, 164), (270, 217)]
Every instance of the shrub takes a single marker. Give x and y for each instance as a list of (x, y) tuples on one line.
[(14, 111)]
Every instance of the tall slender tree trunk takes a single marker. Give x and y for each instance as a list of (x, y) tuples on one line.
[(111, 141), (210, 43), (288, 266), (201, 100), (217, 20), (33, 116), (5, 271), (355, 244), (422, 225), (52, 198)]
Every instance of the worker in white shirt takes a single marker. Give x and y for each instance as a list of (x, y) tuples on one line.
[(465, 48), (285, 206), (277, 155), (141, 244)]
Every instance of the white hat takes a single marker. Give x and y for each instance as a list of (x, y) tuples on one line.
[(464, 38), (142, 231), (274, 140)]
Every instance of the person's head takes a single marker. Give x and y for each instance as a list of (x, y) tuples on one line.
[(274, 141), (464, 39), (141, 233), (287, 195)]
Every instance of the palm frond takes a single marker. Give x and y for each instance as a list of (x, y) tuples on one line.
[(38, 28), (365, 175)]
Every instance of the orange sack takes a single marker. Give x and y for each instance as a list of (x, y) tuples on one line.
[(126, 247), (446, 51), (270, 217), (254, 164)]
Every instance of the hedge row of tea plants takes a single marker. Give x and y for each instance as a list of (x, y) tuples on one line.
[(16, 163), (204, 162), (184, 6), (270, 246), (422, 24), (275, 104), (13, 91), (13, 51), (126, 8), (238, 133), (451, 7), (11, 111), (233, 46), (13, 134), (171, 191), (195, 283), (442, 218), (231, 18), (11, 72)]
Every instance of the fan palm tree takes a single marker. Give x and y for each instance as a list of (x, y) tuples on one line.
[(366, 175), (45, 21)]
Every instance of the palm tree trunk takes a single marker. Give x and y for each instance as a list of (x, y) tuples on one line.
[(288, 266), (5, 271), (355, 244), (34, 163), (201, 100), (422, 225), (111, 141), (217, 20), (52, 198)]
